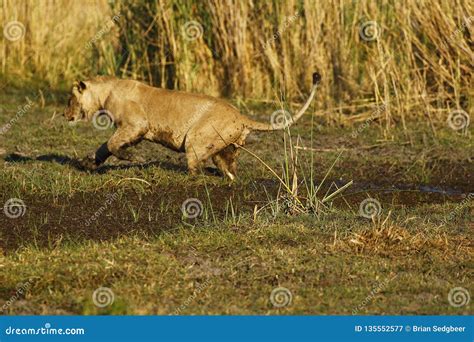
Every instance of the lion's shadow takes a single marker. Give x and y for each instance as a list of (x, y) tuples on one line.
[(74, 163)]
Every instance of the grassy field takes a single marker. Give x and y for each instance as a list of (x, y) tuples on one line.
[(123, 228), (364, 207)]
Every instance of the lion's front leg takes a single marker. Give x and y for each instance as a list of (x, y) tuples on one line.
[(131, 130), (116, 146), (123, 138)]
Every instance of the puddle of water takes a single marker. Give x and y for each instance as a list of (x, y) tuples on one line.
[(426, 189), (400, 194)]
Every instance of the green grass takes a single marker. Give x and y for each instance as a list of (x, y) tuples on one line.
[(230, 259), (242, 264)]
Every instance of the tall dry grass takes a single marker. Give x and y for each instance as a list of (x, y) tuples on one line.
[(53, 39), (420, 65)]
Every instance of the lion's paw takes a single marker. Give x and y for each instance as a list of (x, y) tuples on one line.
[(87, 163)]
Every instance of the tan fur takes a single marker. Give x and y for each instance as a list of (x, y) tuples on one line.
[(199, 125)]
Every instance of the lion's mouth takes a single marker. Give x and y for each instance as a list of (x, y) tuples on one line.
[(77, 118)]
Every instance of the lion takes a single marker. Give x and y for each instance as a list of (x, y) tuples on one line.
[(201, 126)]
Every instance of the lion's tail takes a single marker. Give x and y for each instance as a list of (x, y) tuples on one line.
[(286, 122)]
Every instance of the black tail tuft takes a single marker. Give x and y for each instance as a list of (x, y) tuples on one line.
[(316, 77)]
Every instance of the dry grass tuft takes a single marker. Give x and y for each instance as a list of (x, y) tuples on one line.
[(389, 239), (385, 239)]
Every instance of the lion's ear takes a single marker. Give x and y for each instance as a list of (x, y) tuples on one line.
[(82, 86)]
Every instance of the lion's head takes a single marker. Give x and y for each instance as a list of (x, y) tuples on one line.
[(82, 104)]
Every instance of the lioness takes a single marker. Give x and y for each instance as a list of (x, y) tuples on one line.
[(199, 125)]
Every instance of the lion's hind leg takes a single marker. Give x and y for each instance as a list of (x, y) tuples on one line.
[(216, 140), (197, 154), (225, 161)]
